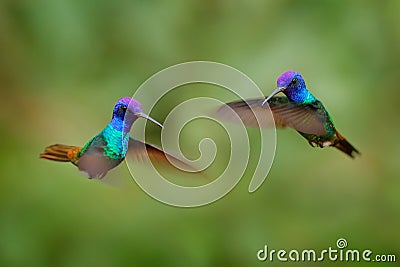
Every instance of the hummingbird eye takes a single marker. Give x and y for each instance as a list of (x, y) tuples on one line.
[(294, 81), (123, 108)]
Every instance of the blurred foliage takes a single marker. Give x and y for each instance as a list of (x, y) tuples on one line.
[(63, 64)]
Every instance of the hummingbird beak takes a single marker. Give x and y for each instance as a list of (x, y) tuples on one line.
[(147, 117), (277, 90)]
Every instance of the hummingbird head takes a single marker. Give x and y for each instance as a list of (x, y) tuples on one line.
[(126, 105), (292, 84), (290, 80), (126, 111)]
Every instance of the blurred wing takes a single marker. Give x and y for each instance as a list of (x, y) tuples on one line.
[(305, 118), (137, 150), (247, 109), (95, 164), (308, 118)]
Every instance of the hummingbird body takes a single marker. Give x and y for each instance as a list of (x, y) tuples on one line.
[(113, 142), (108, 149), (298, 109)]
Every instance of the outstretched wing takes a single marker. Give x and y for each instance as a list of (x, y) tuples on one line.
[(142, 152), (306, 118), (247, 110)]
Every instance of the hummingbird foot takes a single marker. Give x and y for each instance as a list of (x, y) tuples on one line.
[(313, 144)]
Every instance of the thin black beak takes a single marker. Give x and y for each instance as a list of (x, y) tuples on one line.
[(277, 90), (147, 117)]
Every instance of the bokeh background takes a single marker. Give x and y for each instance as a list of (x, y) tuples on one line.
[(63, 64)]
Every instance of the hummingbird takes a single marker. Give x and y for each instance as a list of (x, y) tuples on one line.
[(108, 149), (298, 109)]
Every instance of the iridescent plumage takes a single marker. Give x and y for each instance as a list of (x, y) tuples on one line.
[(299, 109), (108, 149)]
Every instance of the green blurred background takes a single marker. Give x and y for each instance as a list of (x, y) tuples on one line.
[(63, 64)]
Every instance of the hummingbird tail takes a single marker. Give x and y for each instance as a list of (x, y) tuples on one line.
[(61, 153), (343, 145)]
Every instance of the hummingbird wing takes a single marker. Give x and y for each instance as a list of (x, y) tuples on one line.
[(138, 150), (95, 164), (306, 118), (247, 110)]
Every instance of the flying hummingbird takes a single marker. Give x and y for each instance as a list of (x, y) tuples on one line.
[(298, 109), (108, 149)]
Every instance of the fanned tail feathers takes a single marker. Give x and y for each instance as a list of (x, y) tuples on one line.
[(61, 153), (343, 145)]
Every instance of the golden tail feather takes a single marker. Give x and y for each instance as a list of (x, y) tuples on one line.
[(61, 153)]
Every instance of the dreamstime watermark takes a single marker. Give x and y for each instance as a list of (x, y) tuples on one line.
[(339, 253), (203, 72)]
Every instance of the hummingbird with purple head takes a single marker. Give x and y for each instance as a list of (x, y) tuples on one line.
[(298, 109), (108, 149)]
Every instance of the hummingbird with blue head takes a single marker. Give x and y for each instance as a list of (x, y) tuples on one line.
[(108, 149), (298, 109)]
